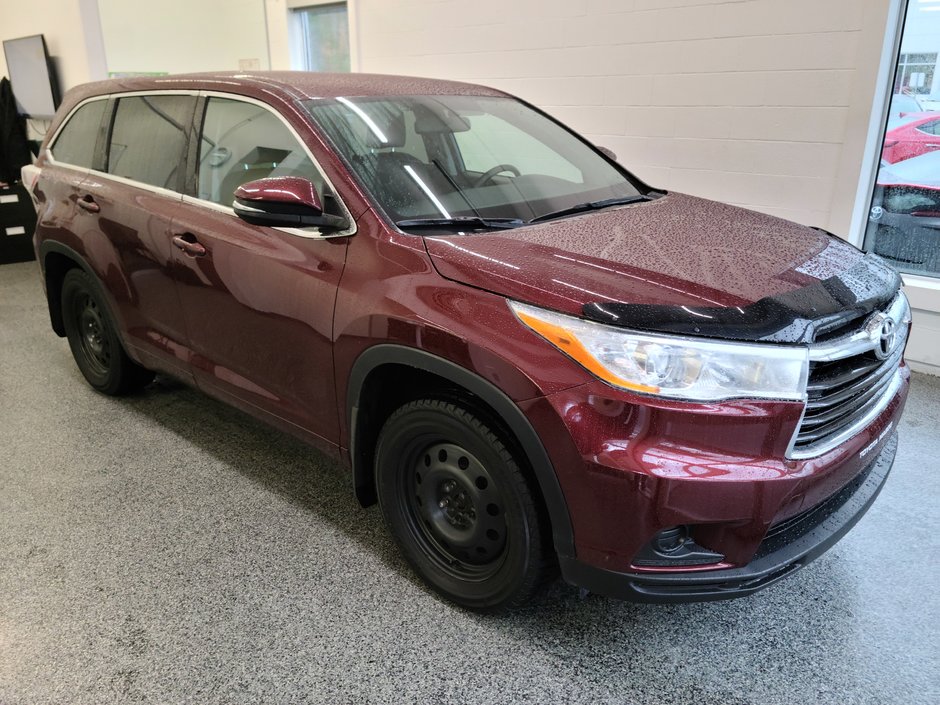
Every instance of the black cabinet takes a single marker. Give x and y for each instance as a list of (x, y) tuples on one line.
[(17, 223)]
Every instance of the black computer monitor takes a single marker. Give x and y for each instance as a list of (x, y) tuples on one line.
[(32, 75)]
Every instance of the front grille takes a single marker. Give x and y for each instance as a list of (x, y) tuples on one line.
[(843, 391)]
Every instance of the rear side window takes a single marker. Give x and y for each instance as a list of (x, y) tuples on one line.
[(76, 142), (931, 128), (242, 142), (147, 138)]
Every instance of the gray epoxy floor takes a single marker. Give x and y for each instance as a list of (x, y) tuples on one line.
[(166, 549)]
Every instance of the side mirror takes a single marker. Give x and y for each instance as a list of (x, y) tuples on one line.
[(609, 153), (285, 201)]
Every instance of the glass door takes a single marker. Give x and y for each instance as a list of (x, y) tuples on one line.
[(904, 217)]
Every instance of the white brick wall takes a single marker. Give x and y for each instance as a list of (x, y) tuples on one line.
[(753, 102)]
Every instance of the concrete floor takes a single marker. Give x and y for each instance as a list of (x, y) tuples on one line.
[(167, 549)]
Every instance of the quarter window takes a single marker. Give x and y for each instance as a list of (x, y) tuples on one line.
[(148, 137), (242, 142), (76, 142)]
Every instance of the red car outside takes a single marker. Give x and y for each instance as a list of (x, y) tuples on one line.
[(915, 134), (533, 361)]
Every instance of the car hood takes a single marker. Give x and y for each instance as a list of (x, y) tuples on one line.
[(677, 264)]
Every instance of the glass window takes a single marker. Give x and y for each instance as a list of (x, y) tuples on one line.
[(930, 128), (915, 73), (904, 218), (76, 142), (493, 140), (446, 156), (323, 34), (242, 142), (148, 137)]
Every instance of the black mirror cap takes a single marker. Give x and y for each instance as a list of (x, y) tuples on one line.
[(286, 215), (607, 152)]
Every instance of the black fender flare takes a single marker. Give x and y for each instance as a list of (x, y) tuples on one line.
[(509, 412)]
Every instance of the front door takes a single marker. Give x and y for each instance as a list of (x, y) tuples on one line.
[(258, 301)]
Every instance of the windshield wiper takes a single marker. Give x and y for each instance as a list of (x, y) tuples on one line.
[(469, 221), (590, 206)]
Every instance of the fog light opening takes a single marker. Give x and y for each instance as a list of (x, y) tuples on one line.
[(675, 547)]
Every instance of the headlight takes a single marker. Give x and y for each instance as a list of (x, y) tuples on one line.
[(672, 366)]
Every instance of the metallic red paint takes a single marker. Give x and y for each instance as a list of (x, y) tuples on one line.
[(913, 138)]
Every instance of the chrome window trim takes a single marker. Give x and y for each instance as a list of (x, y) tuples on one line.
[(311, 233), (159, 190), (859, 342)]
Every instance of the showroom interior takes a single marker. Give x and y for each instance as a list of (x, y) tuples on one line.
[(166, 547)]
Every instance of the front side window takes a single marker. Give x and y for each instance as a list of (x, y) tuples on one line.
[(447, 156), (242, 142), (75, 144), (148, 137)]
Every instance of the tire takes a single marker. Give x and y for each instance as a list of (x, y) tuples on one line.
[(460, 508), (94, 341)]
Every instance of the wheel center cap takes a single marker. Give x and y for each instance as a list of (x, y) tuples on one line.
[(457, 506)]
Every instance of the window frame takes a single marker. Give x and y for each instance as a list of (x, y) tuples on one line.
[(102, 125), (922, 290), (186, 185)]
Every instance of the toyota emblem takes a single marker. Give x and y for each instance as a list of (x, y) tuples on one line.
[(884, 334)]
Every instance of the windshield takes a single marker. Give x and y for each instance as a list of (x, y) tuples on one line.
[(449, 157)]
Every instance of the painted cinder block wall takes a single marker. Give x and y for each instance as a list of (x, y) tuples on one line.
[(760, 103)]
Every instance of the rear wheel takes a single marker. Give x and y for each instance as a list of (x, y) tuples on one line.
[(460, 507), (93, 339)]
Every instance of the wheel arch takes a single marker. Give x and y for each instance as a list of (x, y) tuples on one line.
[(56, 260), (384, 358)]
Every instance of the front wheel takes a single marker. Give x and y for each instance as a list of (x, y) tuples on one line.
[(94, 341), (460, 507)]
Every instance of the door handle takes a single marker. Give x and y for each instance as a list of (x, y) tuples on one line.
[(87, 203), (187, 243)]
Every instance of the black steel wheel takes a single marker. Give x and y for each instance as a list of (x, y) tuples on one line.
[(460, 507), (93, 339)]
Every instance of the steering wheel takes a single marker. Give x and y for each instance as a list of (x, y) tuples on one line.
[(490, 173)]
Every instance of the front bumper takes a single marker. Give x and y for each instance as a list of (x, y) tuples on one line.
[(787, 547)]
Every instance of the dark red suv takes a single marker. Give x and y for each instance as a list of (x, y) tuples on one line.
[(531, 359)]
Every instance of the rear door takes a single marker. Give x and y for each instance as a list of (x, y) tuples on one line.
[(132, 200), (65, 166), (258, 300)]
